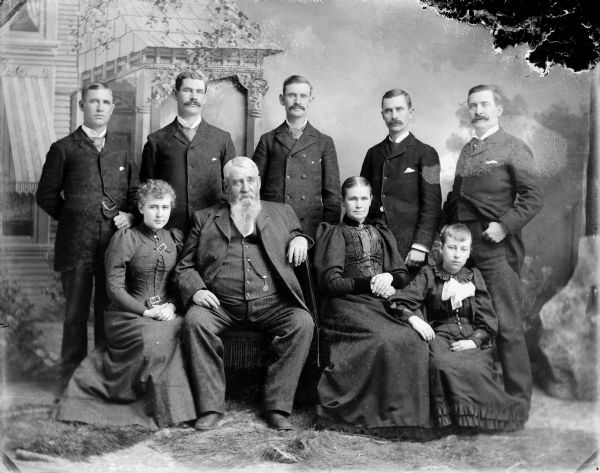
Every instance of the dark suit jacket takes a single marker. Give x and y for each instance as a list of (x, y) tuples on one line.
[(411, 200), (495, 182), (208, 241), (195, 170), (75, 178), (303, 173)]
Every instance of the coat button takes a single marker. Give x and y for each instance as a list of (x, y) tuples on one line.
[(287, 197), (303, 198), (288, 176), (385, 178), (304, 156), (383, 196), (303, 176)]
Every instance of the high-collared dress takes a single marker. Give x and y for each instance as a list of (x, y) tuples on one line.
[(376, 381), (138, 377), (466, 389)]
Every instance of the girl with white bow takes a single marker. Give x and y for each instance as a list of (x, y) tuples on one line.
[(449, 306)]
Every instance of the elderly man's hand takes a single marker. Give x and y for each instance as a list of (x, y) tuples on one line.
[(123, 220), (298, 251), (205, 298)]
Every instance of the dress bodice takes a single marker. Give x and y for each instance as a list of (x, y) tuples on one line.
[(363, 249), (139, 266)]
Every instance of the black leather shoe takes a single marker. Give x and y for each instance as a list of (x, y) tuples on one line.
[(278, 421), (208, 421)]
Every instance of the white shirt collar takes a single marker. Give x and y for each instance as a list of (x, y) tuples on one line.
[(298, 128), (186, 124), (490, 132), (93, 133), (399, 138)]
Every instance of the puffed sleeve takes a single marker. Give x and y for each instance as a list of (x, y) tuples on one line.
[(409, 300), (330, 256), (121, 249), (392, 261), (485, 319)]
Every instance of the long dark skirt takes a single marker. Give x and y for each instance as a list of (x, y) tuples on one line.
[(137, 377), (466, 389), (377, 380)]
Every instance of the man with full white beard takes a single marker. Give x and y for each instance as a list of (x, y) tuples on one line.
[(236, 268)]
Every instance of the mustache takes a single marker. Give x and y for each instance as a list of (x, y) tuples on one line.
[(192, 102), (479, 117), (297, 107), (396, 122)]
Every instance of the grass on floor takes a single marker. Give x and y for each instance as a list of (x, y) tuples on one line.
[(37, 432), (243, 440)]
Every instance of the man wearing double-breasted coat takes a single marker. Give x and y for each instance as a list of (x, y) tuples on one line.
[(188, 153), (496, 193), (88, 183), (298, 164), (405, 179)]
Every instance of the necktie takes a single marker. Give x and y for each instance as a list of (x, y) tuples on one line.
[(296, 132), (188, 132), (98, 142)]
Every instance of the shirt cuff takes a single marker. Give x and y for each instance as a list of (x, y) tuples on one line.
[(419, 247)]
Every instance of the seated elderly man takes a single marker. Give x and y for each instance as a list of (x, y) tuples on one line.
[(236, 267)]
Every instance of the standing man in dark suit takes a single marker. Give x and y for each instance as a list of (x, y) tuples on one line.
[(188, 153), (88, 184), (236, 267), (495, 194), (405, 177), (298, 164)]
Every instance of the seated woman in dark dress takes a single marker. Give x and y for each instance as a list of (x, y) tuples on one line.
[(376, 381), (461, 323), (138, 377)]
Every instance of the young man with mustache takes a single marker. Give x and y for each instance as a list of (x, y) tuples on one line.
[(298, 164), (236, 268), (188, 153), (405, 177), (495, 194)]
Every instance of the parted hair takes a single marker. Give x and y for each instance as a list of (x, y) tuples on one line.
[(458, 231), (397, 93), (354, 181), (155, 188), (295, 79), (483, 87), (93, 86), (190, 75)]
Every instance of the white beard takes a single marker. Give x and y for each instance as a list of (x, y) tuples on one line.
[(244, 213)]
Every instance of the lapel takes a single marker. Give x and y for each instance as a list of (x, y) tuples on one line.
[(223, 221), (177, 133), (402, 147), (307, 139), (269, 241), (477, 147), (284, 136), (84, 142), (201, 136)]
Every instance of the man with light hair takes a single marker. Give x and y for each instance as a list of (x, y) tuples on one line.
[(236, 268)]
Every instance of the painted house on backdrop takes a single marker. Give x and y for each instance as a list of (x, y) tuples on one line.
[(135, 47), (38, 74)]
